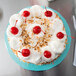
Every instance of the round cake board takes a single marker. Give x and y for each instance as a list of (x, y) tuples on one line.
[(33, 67)]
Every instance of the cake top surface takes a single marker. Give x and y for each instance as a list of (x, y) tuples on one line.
[(37, 35)]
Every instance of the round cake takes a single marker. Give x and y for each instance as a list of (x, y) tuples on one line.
[(36, 35)]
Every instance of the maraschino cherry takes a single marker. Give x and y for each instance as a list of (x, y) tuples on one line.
[(47, 54), (48, 13), (14, 30), (36, 29), (25, 13), (60, 35), (25, 52)]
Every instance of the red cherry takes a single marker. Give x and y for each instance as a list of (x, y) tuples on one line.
[(26, 13), (47, 54), (14, 30), (25, 52), (48, 13), (60, 35), (36, 29)]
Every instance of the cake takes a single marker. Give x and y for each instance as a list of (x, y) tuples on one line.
[(36, 35)]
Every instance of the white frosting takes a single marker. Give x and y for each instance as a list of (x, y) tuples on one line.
[(36, 11), (44, 59), (55, 45), (37, 21), (34, 57), (50, 18), (25, 9), (10, 34), (57, 24), (33, 41), (13, 19), (54, 37), (34, 37), (30, 27), (16, 43)]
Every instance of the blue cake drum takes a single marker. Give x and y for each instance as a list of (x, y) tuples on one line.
[(37, 37)]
